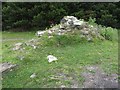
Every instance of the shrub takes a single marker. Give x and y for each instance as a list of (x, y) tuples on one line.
[(109, 33), (92, 21)]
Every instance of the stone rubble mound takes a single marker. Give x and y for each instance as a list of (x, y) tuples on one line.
[(72, 24), (68, 25), (20, 46)]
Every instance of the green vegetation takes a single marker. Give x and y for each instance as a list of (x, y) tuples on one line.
[(27, 15), (72, 59), (74, 53), (17, 35)]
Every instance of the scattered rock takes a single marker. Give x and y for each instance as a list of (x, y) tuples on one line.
[(51, 58), (50, 36), (50, 31), (6, 66), (18, 46), (92, 68), (21, 57), (63, 86), (31, 42), (33, 75), (99, 79), (40, 33), (71, 24), (34, 47)]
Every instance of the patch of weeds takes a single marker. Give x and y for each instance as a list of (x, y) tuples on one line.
[(109, 33)]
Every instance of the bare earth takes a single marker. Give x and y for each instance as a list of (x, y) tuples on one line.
[(96, 78)]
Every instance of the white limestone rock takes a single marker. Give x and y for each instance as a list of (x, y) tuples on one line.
[(17, 46), (70, 21), (40, 33), (6, 66), (33, 75), (70, 24), (51, 58)]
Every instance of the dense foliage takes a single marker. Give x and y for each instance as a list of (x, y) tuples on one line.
[(27, 15)]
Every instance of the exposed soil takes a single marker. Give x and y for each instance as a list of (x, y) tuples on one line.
[(96, 78)]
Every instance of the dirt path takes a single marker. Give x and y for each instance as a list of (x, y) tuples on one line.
[(96, 78)]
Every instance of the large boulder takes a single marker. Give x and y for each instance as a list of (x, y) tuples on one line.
[(70, 22), (6, 67)]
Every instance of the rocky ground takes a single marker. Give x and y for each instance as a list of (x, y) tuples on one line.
[(6, 66), (95, 77)]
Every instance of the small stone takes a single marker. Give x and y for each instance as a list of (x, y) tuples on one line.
[(78, 23), (85, 32), (50, 36), (89, 39), (51, 58), (34, 47), (91, 26), (33, 75), (40, 33), (61, 27), (90, 68), (59, 33), (17, 46), (62, 86), (49, 32)]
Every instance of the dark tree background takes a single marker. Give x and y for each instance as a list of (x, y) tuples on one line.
[(26, 15)]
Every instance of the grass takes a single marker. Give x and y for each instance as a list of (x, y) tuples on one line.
[(72, 59), (17, 35)]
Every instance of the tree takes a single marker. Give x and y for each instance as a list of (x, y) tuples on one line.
[(28, 14)]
